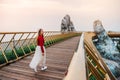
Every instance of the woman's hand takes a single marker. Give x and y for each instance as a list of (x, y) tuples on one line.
[(42, 54)]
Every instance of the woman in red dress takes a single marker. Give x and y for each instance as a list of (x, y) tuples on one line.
[(40, 53)]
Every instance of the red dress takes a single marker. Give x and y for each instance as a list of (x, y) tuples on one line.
[(40, 42)]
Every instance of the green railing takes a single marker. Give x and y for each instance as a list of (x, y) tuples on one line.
[(16, 45)]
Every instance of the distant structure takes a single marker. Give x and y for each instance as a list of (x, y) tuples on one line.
[(107, 48), (67, 24)]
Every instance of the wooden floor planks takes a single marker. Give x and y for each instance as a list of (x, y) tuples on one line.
[(58, 60)]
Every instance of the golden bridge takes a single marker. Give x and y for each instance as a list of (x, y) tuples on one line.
[(70, 56)]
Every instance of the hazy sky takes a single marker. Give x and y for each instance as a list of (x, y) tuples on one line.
[(30, 15)]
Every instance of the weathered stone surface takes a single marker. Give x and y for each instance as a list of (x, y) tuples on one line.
[(67, 24), (108, 50)]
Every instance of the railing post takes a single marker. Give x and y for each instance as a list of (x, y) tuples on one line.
[(9, 42), (19, 43), (30, 41), (3, 53), (13, 47)]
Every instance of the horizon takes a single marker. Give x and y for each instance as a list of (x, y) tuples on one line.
[(30, 15)]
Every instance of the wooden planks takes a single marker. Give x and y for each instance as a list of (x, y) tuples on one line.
[(58, 60)]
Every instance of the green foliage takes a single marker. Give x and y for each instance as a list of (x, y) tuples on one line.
[(26, 49), (2, 59), (10, 55), (19, 52), (32, 47), (92, 77)]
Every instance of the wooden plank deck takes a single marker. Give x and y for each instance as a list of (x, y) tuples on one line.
[(58, 60)]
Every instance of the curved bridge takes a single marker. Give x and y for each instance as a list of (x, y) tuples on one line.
[(74, 57), (19, 49)]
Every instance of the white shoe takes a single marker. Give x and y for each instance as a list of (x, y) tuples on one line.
[(35, 69), (44, 68)]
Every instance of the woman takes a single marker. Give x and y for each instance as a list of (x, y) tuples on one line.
[(40, 53)]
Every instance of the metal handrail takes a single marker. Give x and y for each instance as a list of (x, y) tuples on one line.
[(76, 69)]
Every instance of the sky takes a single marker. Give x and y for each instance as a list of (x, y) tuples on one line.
[(30, 15)]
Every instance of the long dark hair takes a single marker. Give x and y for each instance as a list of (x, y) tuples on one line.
[(39, 32)]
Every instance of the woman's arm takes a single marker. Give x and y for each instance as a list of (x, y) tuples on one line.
[(42, 49), (41, 44)]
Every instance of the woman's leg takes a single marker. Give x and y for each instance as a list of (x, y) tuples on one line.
[(36, 59), (44, 61)]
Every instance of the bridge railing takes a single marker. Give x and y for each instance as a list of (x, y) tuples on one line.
[(16, 45), (77, 69), (96, 67)]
